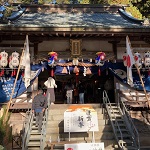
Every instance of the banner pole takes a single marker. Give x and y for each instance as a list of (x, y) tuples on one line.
[(143, 85), (11, 96)]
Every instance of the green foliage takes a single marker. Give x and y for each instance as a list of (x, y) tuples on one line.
[(2, 148), (134, 12), (143, 6), (116, 2), (98, 2), (84, 1), (8, 11), (27, 1), (41, 1), (62, 1), (5, 129)]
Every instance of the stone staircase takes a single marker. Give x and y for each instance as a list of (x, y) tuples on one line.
[(55, 128)]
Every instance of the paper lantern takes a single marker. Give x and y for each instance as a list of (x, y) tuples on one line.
[(3, 60), (147, 59), (138, 59)]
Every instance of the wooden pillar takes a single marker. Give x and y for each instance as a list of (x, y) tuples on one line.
[(114, 47), (35, 50), (35, 46)]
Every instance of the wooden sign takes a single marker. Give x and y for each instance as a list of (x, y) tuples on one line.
[(75, 46), (80, 119), (86, 146)]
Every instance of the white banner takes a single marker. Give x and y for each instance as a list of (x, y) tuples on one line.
[(85, 146), (80, 119)]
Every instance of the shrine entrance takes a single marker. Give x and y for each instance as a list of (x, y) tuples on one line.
[(93, 83)]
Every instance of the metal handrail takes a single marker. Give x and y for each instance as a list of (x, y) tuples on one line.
[(27, 129), (106, 101), (135, 133), (43, 131)]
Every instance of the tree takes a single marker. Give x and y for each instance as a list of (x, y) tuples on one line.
[(133, 10), (143, 6), (5, 129)]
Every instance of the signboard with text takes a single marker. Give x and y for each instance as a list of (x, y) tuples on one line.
[(75, 47), (80, 119), (85, 146)]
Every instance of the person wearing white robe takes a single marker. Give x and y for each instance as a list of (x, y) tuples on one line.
[(50, 94)]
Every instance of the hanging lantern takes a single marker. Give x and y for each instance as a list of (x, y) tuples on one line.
[(15, 59), (10, 62), (4, 57), (3, 61), (99, 61), (147, 59), (13, 62), (52, 57), (138, 60)]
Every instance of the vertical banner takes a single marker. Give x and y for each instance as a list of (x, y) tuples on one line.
[(130, 62)]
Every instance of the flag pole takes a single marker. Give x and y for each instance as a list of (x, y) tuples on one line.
[(138, 70), (11, 96), (143, 85)]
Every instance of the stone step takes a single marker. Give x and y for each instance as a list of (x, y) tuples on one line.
[(53, 109), (65, 106), (56, 129), (56, 116), (58, 123), (80, 136), (33, 148), (35, 137), (35, 144)]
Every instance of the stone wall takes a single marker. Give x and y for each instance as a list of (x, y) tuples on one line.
[(16, 121)]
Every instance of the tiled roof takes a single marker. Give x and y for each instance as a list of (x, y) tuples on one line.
[(100, 20)]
